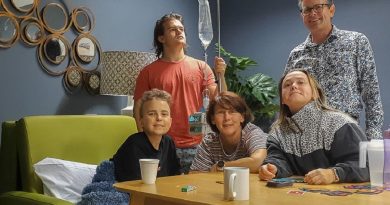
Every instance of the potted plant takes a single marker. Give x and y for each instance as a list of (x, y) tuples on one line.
[(258, 90)]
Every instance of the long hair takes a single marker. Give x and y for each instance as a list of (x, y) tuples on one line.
[(159, 31), (320, 101), (229, 100)]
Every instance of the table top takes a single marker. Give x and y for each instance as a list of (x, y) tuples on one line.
[(210, 191)]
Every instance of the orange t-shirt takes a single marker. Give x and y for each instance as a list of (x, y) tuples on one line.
[(185, 81)]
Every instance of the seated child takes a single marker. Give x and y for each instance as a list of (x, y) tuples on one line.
[(310, 139), (152, 143)]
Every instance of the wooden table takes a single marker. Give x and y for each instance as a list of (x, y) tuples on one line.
[(167, 190)]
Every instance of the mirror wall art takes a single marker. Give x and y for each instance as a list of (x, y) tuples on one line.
[(32, 31), (19, 8), (43, 24), (55, 18), (9, 30)]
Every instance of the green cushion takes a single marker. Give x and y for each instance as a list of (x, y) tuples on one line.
[(8, 162), (81, 138), (28, 198)]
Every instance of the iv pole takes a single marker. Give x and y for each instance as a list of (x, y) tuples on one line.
[(219, 44)]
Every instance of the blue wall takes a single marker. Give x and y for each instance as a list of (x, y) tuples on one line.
[(25, 89), (263, 30), (266, 31)]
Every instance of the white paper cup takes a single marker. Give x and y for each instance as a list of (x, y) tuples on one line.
[(149, 170)]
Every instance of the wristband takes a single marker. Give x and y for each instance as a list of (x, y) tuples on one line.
[(220, 165), (336, 176)]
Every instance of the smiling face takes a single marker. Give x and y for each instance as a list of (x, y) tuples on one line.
[(156, 117), (228, 122), (173, 33), (320, 21), (296, 91)]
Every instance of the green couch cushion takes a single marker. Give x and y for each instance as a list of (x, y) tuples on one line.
[(81, 138), (28, 198), (9, 177)]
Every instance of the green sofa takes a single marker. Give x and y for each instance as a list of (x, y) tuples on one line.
[(81, 138)]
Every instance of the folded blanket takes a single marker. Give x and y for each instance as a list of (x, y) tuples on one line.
[(101, 190)]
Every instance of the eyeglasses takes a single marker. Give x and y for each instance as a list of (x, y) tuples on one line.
[(316, 8)]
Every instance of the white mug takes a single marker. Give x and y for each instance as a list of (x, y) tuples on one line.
[(236, 183), (148, 170)]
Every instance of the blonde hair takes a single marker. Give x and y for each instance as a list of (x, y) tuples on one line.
[(155, 94)]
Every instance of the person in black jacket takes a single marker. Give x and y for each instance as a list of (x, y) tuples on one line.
[(151, 143), (310, 139)]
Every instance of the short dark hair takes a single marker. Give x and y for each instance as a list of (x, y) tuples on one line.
[(155, 94), (330, 2), (159, 31), (229, 100)]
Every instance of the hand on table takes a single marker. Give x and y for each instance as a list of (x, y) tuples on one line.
[(267, 172), (214, 168), (320, 176)]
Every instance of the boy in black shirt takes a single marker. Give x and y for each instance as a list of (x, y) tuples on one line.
[(152, 143)]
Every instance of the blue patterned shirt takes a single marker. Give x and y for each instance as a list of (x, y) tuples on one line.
[(345, 68)]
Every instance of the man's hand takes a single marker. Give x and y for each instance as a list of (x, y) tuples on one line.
[(320, 176), (267, 172), (220, 65)]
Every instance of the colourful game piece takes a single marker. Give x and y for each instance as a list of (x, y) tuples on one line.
[(337, 193), (314, 190), (368, 191), (295, 192), (188, 188), (292, 179), (362, 186)]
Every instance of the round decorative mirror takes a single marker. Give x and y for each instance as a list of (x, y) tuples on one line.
[(92, 82), (25, 6), (19, 8), (9, 30), (83, 19), (55, 18), (85, 49), (52, 54), (73, 79), (32, 31), (55, 50)]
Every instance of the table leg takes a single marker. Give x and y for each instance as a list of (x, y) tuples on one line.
[(137, 199)]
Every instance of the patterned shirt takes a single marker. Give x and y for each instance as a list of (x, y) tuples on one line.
[(210, 151), (345, 68), (309, 130), (314, 138)]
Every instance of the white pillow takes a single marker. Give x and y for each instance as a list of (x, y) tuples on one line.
[(64, 179)]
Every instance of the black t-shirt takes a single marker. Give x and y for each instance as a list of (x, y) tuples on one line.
[(138, 146)]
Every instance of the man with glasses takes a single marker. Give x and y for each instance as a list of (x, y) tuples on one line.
[(342, 62)]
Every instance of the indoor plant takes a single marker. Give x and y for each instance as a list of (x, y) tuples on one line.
[(258, 90)]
